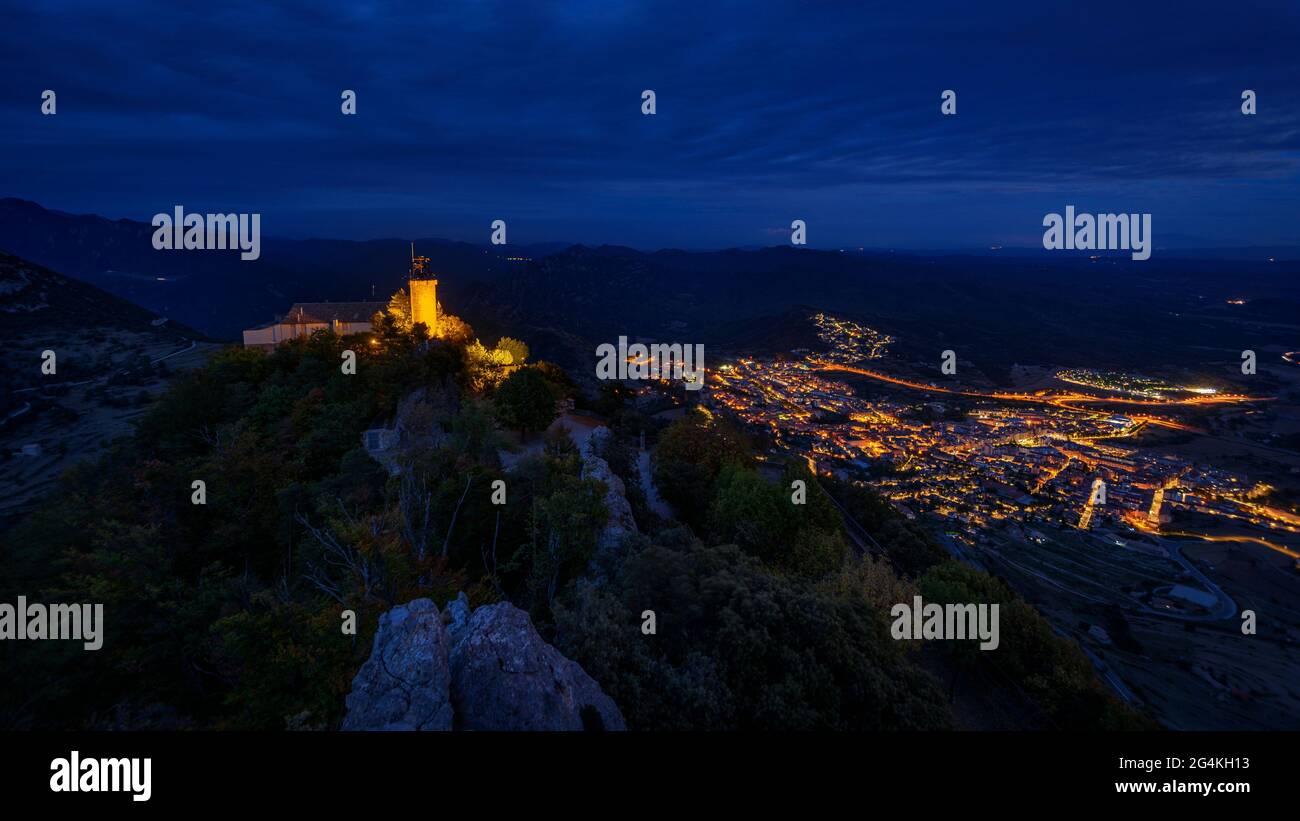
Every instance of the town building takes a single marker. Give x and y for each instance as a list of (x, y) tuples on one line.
[(342, 318), (305, 318)]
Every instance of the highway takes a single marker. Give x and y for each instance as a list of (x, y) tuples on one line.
[(1060, 400), (1271, 546)]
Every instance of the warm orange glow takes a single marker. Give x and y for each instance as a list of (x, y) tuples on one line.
[(424, 303), (1060, 400)]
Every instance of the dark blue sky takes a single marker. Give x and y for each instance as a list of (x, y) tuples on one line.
[(530, 112)]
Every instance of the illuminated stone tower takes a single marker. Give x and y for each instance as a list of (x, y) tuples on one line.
[(424, 293)]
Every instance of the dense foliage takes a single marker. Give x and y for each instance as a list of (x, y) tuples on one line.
[(738, 647), (691, 456), (227, 614), (1052, 670)]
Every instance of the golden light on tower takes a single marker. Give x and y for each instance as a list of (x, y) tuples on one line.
[(424, 293)]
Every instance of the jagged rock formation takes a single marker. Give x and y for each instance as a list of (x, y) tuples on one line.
[(504, 677), (620, 521), (404, 683), (464, 669)]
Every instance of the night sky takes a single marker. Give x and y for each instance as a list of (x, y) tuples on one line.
[(767, 112)]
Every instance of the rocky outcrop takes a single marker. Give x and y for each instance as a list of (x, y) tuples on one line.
[(404, 683), (457, 614), (504, 677), (472, 669), (620, 521)]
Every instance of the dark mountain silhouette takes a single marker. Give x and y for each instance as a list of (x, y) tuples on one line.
[(999, 312), (33, 297), (994, 310), (216, 291)]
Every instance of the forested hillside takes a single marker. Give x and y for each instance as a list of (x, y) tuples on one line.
[(226, 614)]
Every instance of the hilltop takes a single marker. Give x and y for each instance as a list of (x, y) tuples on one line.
[(111, 358)]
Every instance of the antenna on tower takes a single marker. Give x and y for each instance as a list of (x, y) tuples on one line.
[(419, 265)]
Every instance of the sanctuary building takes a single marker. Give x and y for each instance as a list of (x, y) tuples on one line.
[(342, 318)]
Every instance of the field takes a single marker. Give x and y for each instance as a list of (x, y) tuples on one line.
[(1171, 661), (52, 428)]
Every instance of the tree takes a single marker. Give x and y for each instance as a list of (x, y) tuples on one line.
[(399, 308), (453, 329), (558, 377), (953, 583), (751, 513), (473, 433), (692, 453), (739, 648), (564, 527), (518, 350), (487, 368), (760, 517), (525, 401)]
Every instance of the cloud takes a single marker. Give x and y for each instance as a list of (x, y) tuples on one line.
[(473, 108)]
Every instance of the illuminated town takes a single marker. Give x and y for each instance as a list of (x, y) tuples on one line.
[(976, 459), (1099, 496), (1131, 384)]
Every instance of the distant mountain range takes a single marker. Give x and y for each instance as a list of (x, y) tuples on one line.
[(33, 296), (1001, 308), (218, 293), (996, 312)]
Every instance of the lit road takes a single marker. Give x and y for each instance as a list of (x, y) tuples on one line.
[(1279, 548), (1060, 400)]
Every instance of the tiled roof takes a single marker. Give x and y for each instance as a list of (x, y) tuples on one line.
[(326, 311)]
